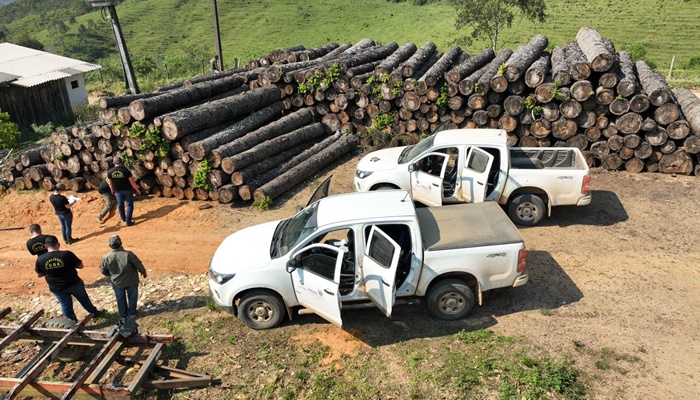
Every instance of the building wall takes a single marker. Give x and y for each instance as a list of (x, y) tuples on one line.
[(40, 104), (77, 94)]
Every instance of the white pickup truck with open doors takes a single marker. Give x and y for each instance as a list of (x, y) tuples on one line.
[(360, 249), (475, 165)]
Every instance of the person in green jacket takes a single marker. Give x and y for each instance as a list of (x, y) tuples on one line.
[(123, 268)]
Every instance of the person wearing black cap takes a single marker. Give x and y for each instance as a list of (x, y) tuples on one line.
[(62, 207), (123, 268), (35, 244), (121, 183), (60, 268)]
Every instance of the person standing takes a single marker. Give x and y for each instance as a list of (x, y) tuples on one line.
[(60, 269), (35, 244), (110, 201), (121, 183), (62, 207), (123, 268)]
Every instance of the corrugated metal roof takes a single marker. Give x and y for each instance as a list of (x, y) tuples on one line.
[(30, 67), (4, 78)]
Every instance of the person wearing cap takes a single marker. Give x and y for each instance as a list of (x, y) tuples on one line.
[(60, 269), (121, 183), (110, 202), (35, 244), (123, 268), (62, 207)]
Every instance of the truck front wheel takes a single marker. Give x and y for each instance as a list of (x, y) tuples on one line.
[(527, 209), (260, 310), (450, 299)]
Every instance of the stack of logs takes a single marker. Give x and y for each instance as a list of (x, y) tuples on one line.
[(264, 128)]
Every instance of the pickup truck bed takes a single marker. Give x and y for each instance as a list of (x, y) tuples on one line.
[(466, 225)]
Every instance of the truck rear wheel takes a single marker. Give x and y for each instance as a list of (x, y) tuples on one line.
[(526, 209), (450, 299), (261, 310)]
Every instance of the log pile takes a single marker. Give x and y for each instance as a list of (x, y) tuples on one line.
[(256, 132)]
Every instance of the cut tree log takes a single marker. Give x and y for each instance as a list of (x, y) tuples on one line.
[(274, 129), (418, 58), (581, 90), (469, 66), (491, 69), (537, 72), (639, 103), (437, 71), (653, 83), (629, 123), (579, 68), (390, 63), (690, 105), (420, 71), (171, 100), (598, 55), (335, 53), (524, 56), (189, 120), (296, 175), (271, 147), (368, 55), (560, 67), (667, 113), (677, 162), (627, 84), (255, 170)]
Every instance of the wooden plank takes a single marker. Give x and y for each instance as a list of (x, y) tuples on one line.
[(86, 337), (178, 383), (46, 360), (55, 389), (15, 334), (5, 312), (94, 364), (146, 368), (106, 362)]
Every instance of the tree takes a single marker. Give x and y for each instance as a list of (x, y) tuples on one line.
[(27, 41), (487, 18), (9, 131)]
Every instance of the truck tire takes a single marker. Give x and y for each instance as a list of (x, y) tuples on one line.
[(386, 186), (527, 209), (261, 310), (450, 299), (68, 353)]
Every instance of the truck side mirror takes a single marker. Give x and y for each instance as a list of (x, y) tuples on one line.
[(291, 265), (411, 167), (298, 208)]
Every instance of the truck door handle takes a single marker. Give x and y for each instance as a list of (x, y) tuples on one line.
[(480, 183), (384, 282), (329, 292), (436, 185)]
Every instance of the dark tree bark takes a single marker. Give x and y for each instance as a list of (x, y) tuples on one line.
[(491, 70), (690, 105), (394, 60), (437, 71), (560, 67), (654, 84), (677, 162), (627, 85), (271, 147), (524, 56), (423, 68), (514, 105), (419, 58), (537, 73), (189, 120), (335, 53), (469, 66), (597, 53), (368, 55), (296, 175), (579, 68), (228, 194), (362, 69), (30, 157)]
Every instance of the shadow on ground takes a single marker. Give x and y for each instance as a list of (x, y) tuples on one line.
[(605, 210)]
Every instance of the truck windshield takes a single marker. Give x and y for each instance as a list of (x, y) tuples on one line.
[(414, 151), (293, 230)]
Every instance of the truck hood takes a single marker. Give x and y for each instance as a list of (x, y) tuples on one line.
[(381, 159), (247, 249)]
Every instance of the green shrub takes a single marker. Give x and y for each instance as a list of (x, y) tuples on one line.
[(9, 131), (200, 177), (263, 204)]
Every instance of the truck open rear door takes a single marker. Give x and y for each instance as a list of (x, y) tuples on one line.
[(426, 179), (316, 280), (379, 264), (475, 175)]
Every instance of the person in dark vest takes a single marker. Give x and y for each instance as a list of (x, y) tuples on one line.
[(123, 268), (35, 244), (122, 185), (60, 269), (63, 211), (110, 202)]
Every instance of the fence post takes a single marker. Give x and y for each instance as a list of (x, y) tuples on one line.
[(670, 70)]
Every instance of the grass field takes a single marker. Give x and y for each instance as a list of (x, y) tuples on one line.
[(252, 28)]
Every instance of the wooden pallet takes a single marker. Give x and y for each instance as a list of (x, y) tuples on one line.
[(86, 385)]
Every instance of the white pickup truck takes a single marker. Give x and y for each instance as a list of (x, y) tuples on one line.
[(364, 249), (474, 165)]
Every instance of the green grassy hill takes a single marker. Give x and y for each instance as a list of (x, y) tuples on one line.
[(183, 29)]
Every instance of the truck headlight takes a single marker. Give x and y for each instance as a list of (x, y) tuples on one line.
[(362, 174), (220, 278)]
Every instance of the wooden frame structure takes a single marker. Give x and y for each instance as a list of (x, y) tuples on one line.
[(86, 384)]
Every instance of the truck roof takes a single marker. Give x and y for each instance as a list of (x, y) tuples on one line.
[(365, 205), (480, 136)]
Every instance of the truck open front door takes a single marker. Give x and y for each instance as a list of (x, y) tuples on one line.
[(316, 280), (379, 264), (475, 175)]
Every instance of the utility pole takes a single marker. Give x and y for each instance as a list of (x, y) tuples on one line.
[(218, 36), (129, 76)]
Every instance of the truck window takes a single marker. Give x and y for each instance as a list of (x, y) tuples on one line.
[(401, 234), (292, 231), (477, 162), (381, 251)]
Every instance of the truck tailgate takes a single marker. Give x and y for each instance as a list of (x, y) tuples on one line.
[(466, 225)]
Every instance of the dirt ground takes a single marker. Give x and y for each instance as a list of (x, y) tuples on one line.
[(621, 273)]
